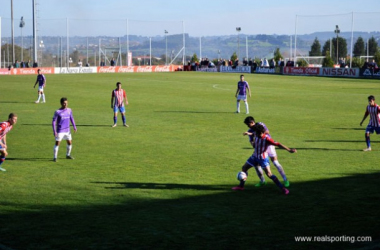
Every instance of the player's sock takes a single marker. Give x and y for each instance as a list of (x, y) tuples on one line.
[(56, 151), (238, 107), (2, 159), (39, 97), (280, 170), (368, 141), (260, 173), (69, 147), (114, 119), (124, 119), (276, 181), (43, 97), (246, 107)]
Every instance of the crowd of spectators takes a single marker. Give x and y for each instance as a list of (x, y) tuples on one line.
[(22, 64), (370, 65)]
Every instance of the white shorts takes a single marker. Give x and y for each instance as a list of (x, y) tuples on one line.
[(271, 150), (41, 88), (63, 136), (241, 97)]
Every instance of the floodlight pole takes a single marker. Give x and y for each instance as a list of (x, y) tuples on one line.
[(1, 42), (22, 24), (238, 29), (166, 51), (337, 31), (150, 51), (34, 32), (13, 37)]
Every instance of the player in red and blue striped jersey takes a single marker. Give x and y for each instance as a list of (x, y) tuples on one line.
[(373, 110), (250, 122), (119, 96), (5, 127), (260, 157)]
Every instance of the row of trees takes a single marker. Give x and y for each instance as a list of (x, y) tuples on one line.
[(336, 48)]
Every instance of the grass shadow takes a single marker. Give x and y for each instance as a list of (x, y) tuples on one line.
[(256, 218)]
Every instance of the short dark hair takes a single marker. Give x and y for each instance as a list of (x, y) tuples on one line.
[(11, 115), (259, 128), (118, 83), (249, 119), (241, 76), (370, 98), (63, 99)]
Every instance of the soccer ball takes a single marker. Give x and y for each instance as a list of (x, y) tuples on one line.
[(241, 176)]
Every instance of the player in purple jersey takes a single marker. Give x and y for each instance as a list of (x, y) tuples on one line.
[(61, 128), (260, 157), (241, 94), (250, 122), (41, 80), (373, 110)]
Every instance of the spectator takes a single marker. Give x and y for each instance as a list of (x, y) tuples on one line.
[(102, 63), (265, 63), (35, 64), (28, 64), (374, 64), (282, 63), (366, 65), (245, 62), (79, 63), (17, 64), (254, 65), (272, 64), (112, 62)]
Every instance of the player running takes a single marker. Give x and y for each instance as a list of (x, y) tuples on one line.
[(61, 128), (5, 127), (260, 157), (118, 105), (373, 110), (250, 122), (241, 94), (41, 80)]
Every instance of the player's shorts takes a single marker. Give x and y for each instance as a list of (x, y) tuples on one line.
[(370, 129), (271, 150), (241, 97), (63, 136), (116, 109), (41, 88), (254, 161)]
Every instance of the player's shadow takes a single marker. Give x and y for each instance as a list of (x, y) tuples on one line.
[(27, 159), (328, 149), (14, 102), (350, 128), (193, 112), (150, 185), (78, 125)]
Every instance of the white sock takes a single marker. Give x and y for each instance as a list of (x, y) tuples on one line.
[(246, 107), (43, 97), (39, 97), (260, 174), (238, 106), (56, 151), (280, 169), (69, 147)]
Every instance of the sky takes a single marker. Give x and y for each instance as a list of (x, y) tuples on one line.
[(197, 18)]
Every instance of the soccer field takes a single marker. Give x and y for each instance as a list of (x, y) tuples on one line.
[(165, 182)]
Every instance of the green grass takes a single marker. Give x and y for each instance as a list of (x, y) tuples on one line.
[(165, 182)]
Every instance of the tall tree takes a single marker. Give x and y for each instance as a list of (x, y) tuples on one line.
[(372, 46), (315, 48), (326, 47), (359, 47), (327, 61), (277, 55), (342, 48)]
